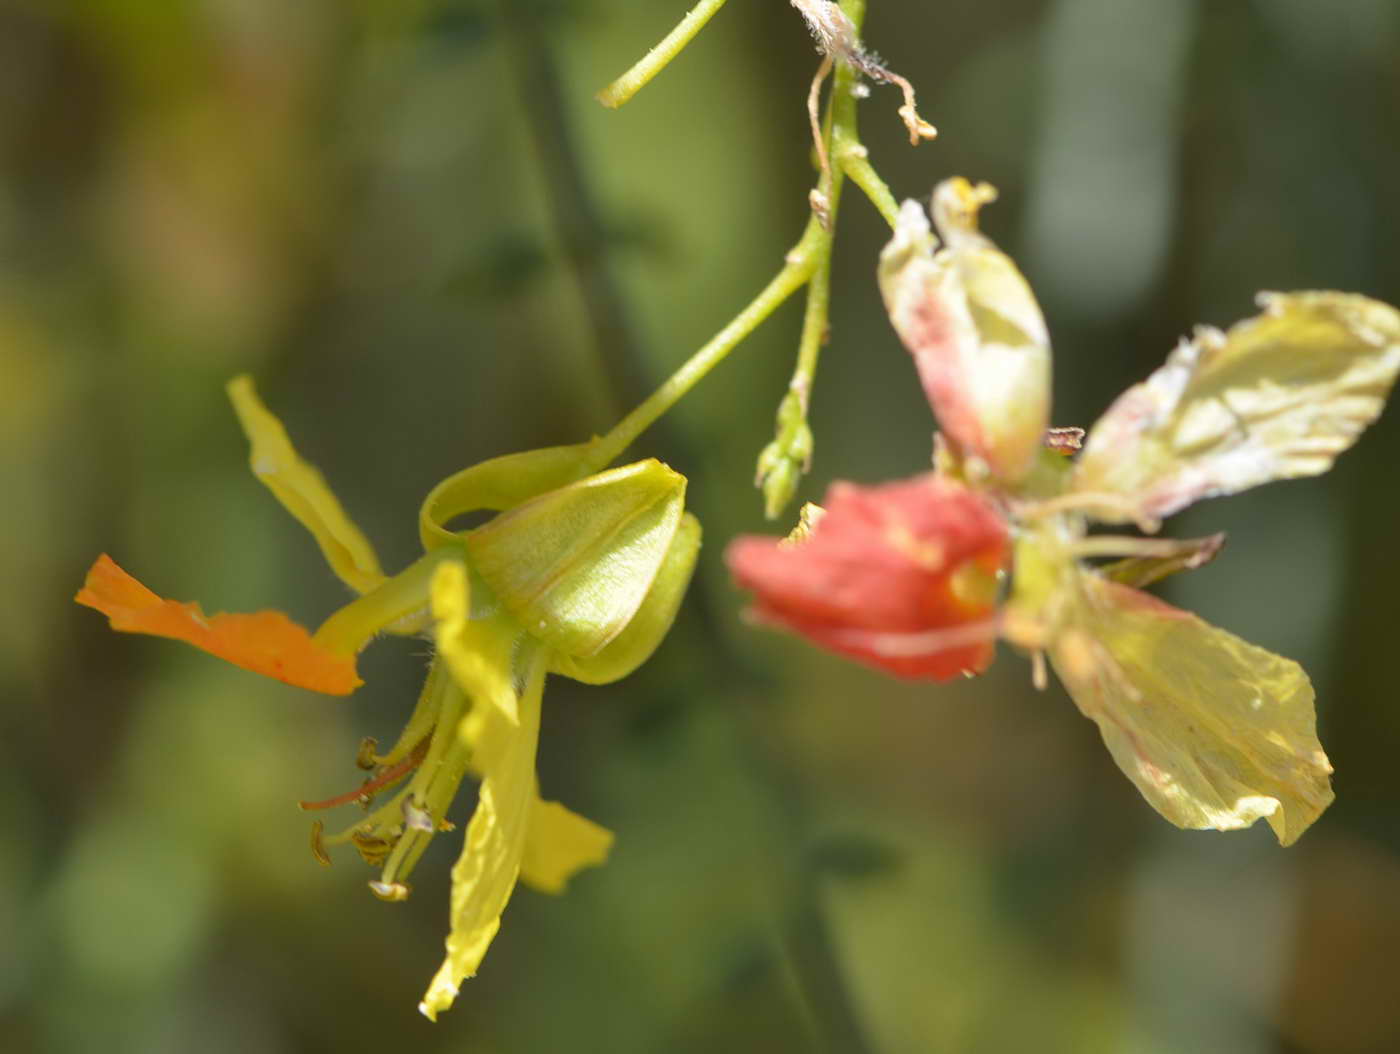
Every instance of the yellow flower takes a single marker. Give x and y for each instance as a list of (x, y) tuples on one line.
[(580, 574)]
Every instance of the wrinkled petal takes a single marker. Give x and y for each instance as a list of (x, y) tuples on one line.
[(1215, 732), (267, 642), (559, 845), (303, 491), (485, 874), (902, 577), (1277, 397), (979, 343)]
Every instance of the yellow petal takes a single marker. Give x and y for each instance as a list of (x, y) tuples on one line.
[(303, 491), (485, 874), (479, 653), (1277, 397), (267, 642), (559, 845), (1214, 731)]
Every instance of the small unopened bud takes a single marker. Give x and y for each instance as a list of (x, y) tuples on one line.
[(574, 564), (783, 462)]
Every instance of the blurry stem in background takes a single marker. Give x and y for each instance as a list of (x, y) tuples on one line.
[(571, 204), (809, 261), (655, 60)]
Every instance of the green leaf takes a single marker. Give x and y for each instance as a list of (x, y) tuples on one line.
[(644, 633), (1213, 731), (574, 565), (1278, 396)]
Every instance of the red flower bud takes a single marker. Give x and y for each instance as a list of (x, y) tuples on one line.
[(902, 577)]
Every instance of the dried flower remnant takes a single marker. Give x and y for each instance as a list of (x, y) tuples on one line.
[(580, 574), (838, 40), (1214, 732)]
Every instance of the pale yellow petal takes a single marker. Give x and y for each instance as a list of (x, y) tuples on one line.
[(485, 874), (1215, 732), (478, 653), (1277, 397), (560, 844), (303, 491)]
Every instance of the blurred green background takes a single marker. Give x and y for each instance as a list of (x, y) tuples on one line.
[(411, 222)]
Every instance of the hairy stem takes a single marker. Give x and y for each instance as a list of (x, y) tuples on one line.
[(655, 60)]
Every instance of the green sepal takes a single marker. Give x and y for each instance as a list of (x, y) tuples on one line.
[(498, 484), (635, 644), (574, 565)]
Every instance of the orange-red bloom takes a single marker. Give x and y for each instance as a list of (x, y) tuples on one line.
[(267, 642), (901, 576)]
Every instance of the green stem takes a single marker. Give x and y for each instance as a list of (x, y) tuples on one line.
[(810, 258), (801, 262), (655, 60), (854, 161)]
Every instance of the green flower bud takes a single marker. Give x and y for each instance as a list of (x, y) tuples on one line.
[(573, 565)]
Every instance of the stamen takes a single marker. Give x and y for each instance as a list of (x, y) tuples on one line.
[(364, 759), (366, 790), (318, 847), (391, 891)]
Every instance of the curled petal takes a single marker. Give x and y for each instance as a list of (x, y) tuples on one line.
[(498, 484), (303, 491), (902, 577), (267, 642)]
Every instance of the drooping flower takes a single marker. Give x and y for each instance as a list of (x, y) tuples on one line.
[(902, 576), (1214, 732), (580, 574)]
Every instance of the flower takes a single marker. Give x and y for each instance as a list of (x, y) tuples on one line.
[(1214, 732), (580, 574), (901, 577)]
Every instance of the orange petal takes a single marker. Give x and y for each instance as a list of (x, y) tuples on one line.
[(267, 642)]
